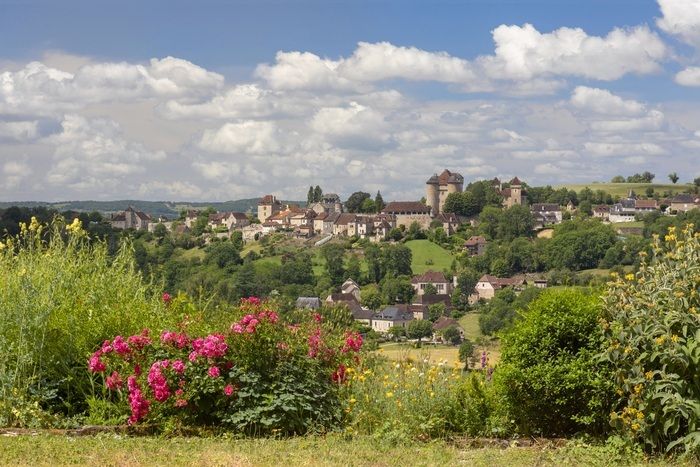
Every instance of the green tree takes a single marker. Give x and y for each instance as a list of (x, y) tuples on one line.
[(333, 254), (354, 203), (489, 220), (371, 298), (396, 260), (160, 232), (514, 222), (673, 176), (373, 258), (353, 268), (224, 255), (419, 329), (379, 202), (430, 289), (618, 179), (397, 290), (318, 194), (237, 240), (397, 332), (435, 311), (310, 196), (466, 352), (368, 206), (451, 335)]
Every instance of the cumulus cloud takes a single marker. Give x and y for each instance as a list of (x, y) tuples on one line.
[(42, 90), (616, 149), (602, 101), (14, 173), (249, 137), (91, 154), (19, 131), (681, 18)]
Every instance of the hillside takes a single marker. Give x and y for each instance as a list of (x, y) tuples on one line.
[(621, 189), (154, 208), (428, 256)]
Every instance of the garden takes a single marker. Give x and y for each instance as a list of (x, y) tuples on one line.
[(592, 376)]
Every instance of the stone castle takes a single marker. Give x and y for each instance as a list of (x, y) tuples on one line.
[(438, 187)]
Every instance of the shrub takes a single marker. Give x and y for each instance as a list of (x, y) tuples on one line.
[(550, 378), (59, 298), (261, 376), (652, 328)]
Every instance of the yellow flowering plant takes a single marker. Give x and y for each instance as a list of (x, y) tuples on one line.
[(651, 328)]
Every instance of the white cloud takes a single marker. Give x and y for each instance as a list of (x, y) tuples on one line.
[(602, 101), (690, 76), (681, 18), (14, 173), (43, 90), (523, 53), (249, 137), (170, 190), (304, 70), (90, 154)]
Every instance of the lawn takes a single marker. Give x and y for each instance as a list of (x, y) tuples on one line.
[(330, 450), (622, 189), (426, 251)]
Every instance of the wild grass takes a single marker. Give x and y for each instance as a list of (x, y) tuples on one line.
[(622, 189)]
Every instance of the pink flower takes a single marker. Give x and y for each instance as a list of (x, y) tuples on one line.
[(106, 347), (353, 341), (158, 382), (228, 390), (180, 403), (179, 392), (179, 366), (139, 341), (214, 372), (95, 365), (193, 356), (120, 346), (314, 343), (237, 328), (317, 317), (166, 298), (114, 381), (138, 403), (251, 301)]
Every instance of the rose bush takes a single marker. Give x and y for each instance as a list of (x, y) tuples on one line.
[(261, 376)]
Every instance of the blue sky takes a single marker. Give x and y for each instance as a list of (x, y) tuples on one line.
[(368, 95)]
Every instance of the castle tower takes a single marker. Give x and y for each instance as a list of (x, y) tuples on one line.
[(432, 194), (516, 192)]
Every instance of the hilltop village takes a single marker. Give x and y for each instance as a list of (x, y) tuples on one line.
[(497, 234)]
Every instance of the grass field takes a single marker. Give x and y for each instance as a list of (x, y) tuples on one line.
[(331, 450), (433, 353), (622, 189), (425, 250)]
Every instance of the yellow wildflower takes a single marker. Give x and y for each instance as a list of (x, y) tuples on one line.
[(649, 374), (635, 426), (389, 395), (629, 276), (674, 338), (660, 340)]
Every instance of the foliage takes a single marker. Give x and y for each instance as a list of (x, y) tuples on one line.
[(550, 379), (405, 400), (466, 353), (501, 311), (652, 334), (58, 298), (333, 255), (451, 335), (418, 329), (579, 244), (261, 376), (354, 203)]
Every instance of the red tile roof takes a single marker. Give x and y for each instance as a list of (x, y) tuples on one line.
[(398, 207), (429, 276)]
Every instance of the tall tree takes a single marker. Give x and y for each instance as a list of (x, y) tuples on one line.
[(318, 194), (310, 196), (333, 254), (378, 202), (418, 329), (374, 263), (673, 176)]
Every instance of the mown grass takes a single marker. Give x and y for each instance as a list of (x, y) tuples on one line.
[(434, 353), (328, 450), (426, 251)]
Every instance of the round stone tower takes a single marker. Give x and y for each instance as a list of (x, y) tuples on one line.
[(432, 194)]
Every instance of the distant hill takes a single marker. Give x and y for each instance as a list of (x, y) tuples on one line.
[(621, 189), (154, 208)]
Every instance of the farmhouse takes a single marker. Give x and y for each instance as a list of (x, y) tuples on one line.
[(475, 245), (488, 285), (545, 214), (684, 202), (437, 279), (393, 315), (130, 218)]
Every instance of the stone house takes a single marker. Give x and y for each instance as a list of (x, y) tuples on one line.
[(130, 218), (475, 245), (351, 287), (513, 195), (421, 304), (437, 279), (488, 285), (545, 214), (601, 212), (624, 211), (311, 303), (268, 206), (393, 315), (191, 217), (304, 217), (684, 202), (408, 212), (229, 220), (450, 222), (342, 223)]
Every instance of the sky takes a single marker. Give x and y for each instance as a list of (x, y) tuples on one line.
[(213, 100)]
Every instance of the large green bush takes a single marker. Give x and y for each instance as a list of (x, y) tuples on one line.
[(58, 299), (652, 329), (550, 380)]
